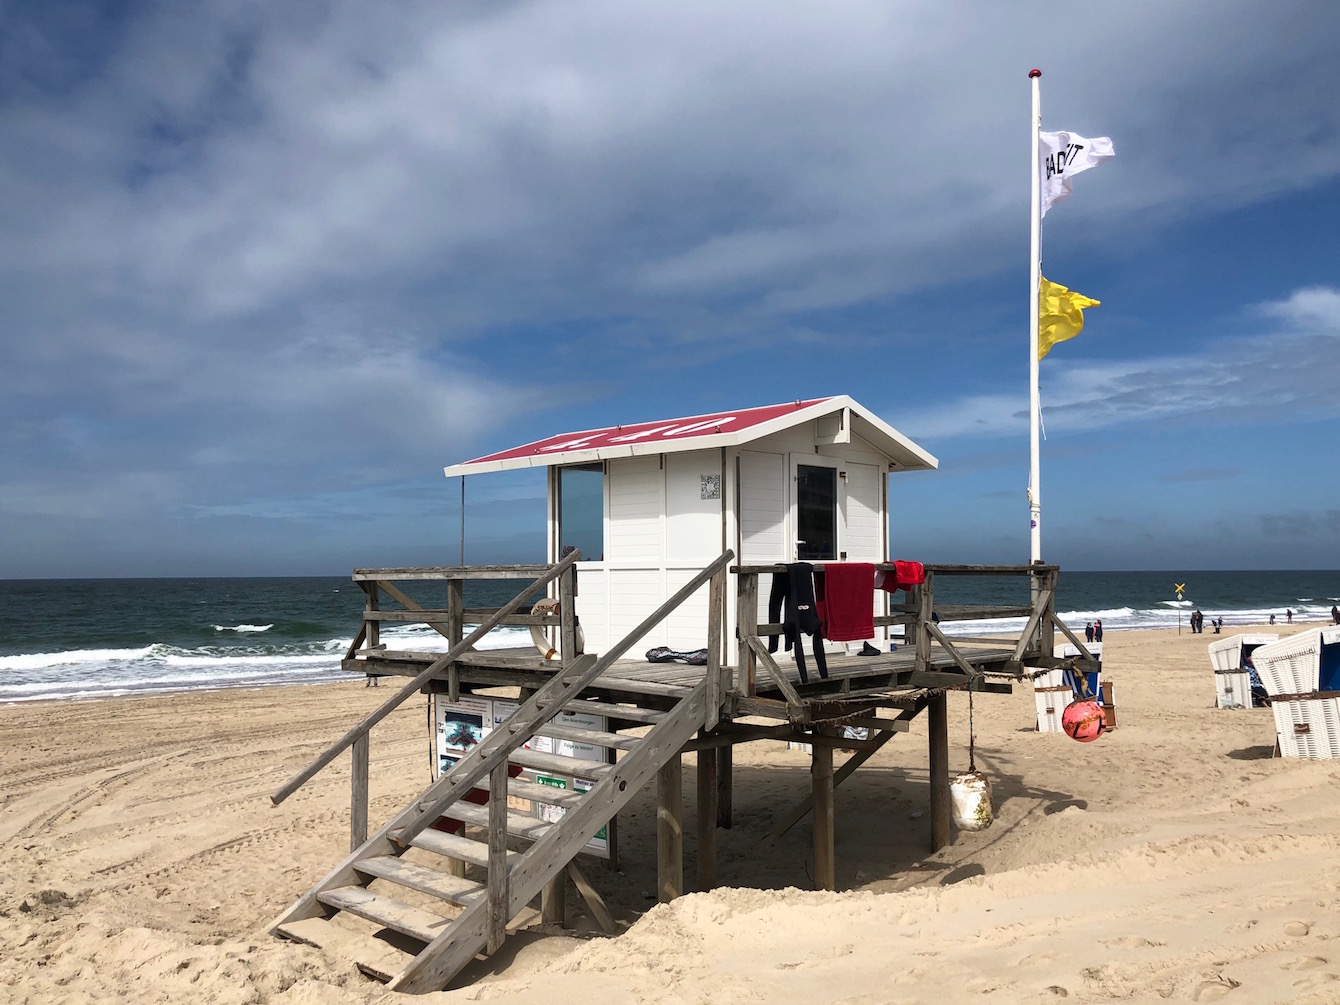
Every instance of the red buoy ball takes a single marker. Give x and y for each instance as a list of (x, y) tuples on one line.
[(1083, 721)]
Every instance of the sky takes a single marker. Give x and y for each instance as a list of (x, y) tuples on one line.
[(267, 268)]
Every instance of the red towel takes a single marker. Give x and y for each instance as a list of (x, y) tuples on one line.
[(844, 595), (904, 576)]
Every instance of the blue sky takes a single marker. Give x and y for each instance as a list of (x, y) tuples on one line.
[(268, 268)]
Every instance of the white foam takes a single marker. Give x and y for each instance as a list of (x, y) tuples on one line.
[(243, 629)]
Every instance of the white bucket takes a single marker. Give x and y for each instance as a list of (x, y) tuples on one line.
[(970, 795)]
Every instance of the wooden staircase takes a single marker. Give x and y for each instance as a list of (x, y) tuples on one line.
[(418, 950)]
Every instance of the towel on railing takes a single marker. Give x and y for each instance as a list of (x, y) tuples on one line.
[(844, 592), (904, 576)]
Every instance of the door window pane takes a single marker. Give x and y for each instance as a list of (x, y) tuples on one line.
[(581, 512), (816, 513)]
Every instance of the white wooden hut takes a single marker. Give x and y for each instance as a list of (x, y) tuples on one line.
[(650, 504)]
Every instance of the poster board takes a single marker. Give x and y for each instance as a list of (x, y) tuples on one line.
[(459, 725)]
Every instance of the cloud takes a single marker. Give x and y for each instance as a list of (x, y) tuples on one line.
[(1286, 372)]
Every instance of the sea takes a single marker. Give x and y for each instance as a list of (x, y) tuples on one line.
[(91, 638)]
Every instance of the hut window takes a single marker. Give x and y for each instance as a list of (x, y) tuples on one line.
[(816, 513), (581, 511)]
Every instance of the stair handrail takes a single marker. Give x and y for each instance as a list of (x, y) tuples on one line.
[(434, 668), (501, 742)]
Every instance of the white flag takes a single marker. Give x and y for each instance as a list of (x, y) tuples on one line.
[(1061, 155)]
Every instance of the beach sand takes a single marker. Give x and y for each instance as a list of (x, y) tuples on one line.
[(1172, 859)]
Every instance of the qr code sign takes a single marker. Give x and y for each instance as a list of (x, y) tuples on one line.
[(711, 486)]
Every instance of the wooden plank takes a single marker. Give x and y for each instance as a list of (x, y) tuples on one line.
[(556, 764), (725, 786), (386, 911), (554, 901), (707, 818), (454, 572), (567, 609), (1031, 629), (481, 815), (498, 871), (938, 741), (536, 793), (957, 570), (924, 597), (746, 616), (452, 889), (593, 899), (715, 601), (739, 734), (821, 790), (455, 633), (630, 712), (598, 738), (372, 602), (670, 830), (774, 671), (456, 846), (358, 794), (375, 957), (392, 703), (948, 647)]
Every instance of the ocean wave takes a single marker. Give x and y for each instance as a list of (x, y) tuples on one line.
[(73, 657), (243, 629)]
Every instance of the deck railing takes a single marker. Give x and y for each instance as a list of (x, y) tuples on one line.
[(918, 616), (450, 622)]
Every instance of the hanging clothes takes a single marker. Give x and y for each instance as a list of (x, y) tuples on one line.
[(792, 602), (844, 592), (903, 576)]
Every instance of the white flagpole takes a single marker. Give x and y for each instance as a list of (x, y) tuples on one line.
[(1034, 281)]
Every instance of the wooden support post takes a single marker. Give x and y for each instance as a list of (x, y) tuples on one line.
[(707, 819), (374, 628), (498, 878), (821, 785), (925, 601), (567, 617), (716, 596), (358, 795), (938, 729), (725, 780), (670, 831), (455, 632), (554, 901), (746, 620)]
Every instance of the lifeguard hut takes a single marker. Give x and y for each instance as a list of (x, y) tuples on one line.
[(650, 504), (658, 534)]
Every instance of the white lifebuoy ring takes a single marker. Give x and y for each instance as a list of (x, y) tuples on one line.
[(550, 606)]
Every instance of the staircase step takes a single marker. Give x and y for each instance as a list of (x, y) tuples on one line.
[(453, 889), (387, 912), (530, 828), (536, 793), (560, 730), (556, 764), (455, 846), (371, 955), (630, 712)]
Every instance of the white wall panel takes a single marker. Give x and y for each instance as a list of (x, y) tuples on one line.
[(762, 507), (635, 593), (686, 628), (637, 500), (693, 524), (593, 605), (863, 540)]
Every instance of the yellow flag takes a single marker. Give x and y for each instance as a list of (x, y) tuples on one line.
[(1060, 314)]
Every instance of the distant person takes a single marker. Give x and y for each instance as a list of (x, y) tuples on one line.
[(1218, 625), (1288, 614), (1335, 615), (1088, 631), (1195, 622), (1098, 631), (1272, 619), (371, 681)]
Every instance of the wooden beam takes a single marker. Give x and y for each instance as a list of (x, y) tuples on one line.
[(774, 671), (455, 632), (746, 618), (670, 831), (821, 790), (1083, 649), (948, 647), (725, 785), (938, 730), (593, 899), (454, 572), (554, 901), (358, 795), (498, 879), (1030, 629), (707, 819), (715, 604)]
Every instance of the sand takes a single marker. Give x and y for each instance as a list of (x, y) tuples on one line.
[(1173, 859)]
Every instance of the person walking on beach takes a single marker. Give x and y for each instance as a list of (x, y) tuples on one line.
[(1288, 614), (1335, 615), (1272, 619), (1088, 631), (1098, 631)]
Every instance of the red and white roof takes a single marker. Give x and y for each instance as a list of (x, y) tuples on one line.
[(700, 432)]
